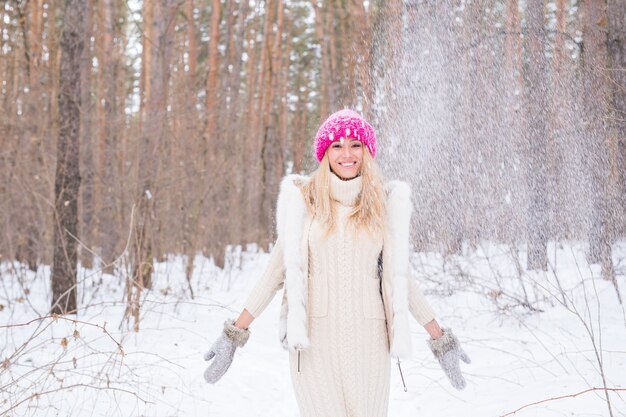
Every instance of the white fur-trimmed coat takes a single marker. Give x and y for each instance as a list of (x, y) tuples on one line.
[(293, 224)]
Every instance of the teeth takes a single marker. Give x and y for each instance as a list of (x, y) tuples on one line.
[(347, 165)]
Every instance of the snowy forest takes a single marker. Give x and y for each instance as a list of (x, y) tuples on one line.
[(142, 144)]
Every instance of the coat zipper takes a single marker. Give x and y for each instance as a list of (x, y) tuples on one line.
[(298, 360), (401, 375)]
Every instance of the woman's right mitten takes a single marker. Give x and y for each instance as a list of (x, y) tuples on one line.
[(223, 350)]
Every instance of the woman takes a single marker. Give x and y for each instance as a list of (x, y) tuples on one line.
[(342, 255)]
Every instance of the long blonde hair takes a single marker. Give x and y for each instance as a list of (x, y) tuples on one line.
[(369, 210)]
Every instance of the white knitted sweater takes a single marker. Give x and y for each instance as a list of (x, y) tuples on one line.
[(345, 371)]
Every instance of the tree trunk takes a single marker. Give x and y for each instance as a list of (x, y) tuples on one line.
[(537, 137), (67, 179), (31, 21), (596, 96), (326, 95), (617, 58), (271, 155), (187, 200), (236, 117), (215, 153), (282, 96), (557, 139), (146, 58), (515, 116), (191, 42), (106, 190), (211, 86), (472, 94), (87, 157), (153, 134), (358, 54), (251, 185)]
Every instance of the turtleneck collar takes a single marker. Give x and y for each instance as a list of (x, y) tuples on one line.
[(345, 192)]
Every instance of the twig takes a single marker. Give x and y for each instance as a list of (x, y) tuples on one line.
[(39, 394), (58, 316), (564, 396)]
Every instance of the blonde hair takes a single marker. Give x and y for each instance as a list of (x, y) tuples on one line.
[(369, 210)]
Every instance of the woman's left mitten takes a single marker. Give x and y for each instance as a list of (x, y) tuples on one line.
[(223, 350), (449, 353)]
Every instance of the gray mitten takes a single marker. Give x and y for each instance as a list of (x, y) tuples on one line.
[(448, 352), (223, 350)]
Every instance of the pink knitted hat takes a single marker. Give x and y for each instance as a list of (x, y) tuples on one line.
[(344, 124)]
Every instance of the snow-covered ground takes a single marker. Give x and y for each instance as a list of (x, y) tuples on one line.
[(94, 364)]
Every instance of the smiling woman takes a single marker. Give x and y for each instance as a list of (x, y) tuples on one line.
[(342, 255)]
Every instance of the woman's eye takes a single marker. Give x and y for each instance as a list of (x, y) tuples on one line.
[(336, 145), (356, 145)]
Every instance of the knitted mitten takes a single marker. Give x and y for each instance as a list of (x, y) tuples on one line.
[(223, 351), (448, 352)]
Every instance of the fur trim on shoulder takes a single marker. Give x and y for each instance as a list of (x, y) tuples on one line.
[(399, 209), (290, 221), (398, 190), (289, 193)]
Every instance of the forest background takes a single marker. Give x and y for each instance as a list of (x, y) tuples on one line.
[(131, 130), (142, 145)]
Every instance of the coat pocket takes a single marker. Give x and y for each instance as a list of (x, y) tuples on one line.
[(318, 296), (373, 307)]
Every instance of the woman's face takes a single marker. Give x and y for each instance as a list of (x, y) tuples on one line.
[(345, 157)]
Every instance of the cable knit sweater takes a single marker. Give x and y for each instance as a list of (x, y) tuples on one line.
[(345, 370)]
